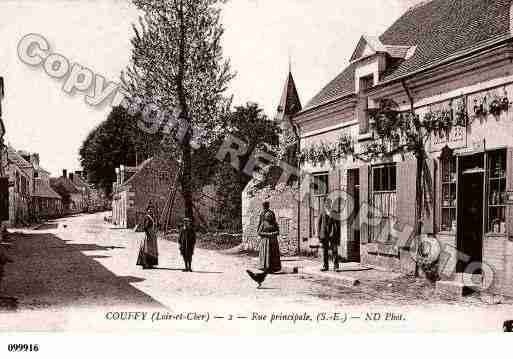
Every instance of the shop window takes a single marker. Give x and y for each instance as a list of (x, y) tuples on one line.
[(448, 192), (384, 199), (496, 192)]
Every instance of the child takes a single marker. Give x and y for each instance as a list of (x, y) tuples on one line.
[(187, 241)]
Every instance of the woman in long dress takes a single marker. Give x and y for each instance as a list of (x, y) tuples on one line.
[(268, 231), (148, 252)]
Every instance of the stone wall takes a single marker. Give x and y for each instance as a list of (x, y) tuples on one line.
[(284, 204)]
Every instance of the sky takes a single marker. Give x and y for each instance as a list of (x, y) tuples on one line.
[(318, 36)]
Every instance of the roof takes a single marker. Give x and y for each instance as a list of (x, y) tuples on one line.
[(79, 181), (439, 30), (144, 164), (65, 184), (37, 167), (138, 169), (289, 102), (341, 86), (17, 159), (43, 189)]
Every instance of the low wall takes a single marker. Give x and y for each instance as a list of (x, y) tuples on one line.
[(283, 203)]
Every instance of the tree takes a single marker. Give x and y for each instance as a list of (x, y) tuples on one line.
[(177, 63), (114, 142), (249, 124)]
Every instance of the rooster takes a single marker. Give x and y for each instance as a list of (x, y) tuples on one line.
[(257, 277)]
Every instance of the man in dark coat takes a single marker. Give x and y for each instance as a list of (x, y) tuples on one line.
[(187, 241), (328, 226)]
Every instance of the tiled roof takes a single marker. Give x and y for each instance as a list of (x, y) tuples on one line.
[(341, 86), (290, 102), (15, 158), (439, 30), (442, 28), (43, 189), (79, 181), (65, 184), (138, 170)]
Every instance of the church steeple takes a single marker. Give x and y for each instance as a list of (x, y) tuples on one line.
[(288, 107), (289, 103)]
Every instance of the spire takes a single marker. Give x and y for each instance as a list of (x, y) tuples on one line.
[(290, 103)]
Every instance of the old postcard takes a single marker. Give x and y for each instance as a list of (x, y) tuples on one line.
[(256, 167)]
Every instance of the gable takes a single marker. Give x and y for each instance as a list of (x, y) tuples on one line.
[(367, 46)]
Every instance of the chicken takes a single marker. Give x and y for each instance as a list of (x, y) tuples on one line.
[(508, 326), (257, 277)]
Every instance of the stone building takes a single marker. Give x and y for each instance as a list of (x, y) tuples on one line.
[(153, 182), (19, 172), (46, 202), (137, 187), (283, 198), (447, 59), (30, 196)]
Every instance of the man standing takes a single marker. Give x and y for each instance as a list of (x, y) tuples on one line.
[(187, 241), (329, 234)]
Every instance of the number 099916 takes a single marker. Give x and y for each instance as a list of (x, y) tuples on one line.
[(23, 347)]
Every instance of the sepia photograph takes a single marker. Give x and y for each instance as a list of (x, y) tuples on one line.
[(255, 167)]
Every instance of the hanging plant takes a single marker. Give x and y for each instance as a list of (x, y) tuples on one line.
[(496, 106), (328, 152), (505, 101), (461, 115), (480, 108)]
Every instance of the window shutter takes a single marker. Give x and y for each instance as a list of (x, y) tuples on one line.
[(361, 108), (334, 180), (406, 173), (509, 188), (364, 200), (429, 198)]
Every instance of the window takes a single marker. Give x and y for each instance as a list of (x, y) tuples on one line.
[(384, 178), (384, 199), (319, 192), (448, 200), (497, 192)]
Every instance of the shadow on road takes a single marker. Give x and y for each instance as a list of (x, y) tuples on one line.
[(48, 272)]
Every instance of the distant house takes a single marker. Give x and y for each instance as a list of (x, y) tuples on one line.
[(83, 186), (153, 182), (30, 196), (45, 201), (73, 198), (19, 172)]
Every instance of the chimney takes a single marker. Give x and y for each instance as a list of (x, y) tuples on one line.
[(123, 173), (71, 176), (64, 173), (34, 158), (78, 173)]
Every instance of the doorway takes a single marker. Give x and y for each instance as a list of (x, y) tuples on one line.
[(471, 210)]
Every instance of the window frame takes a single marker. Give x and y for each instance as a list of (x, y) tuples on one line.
[(389, 192)]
